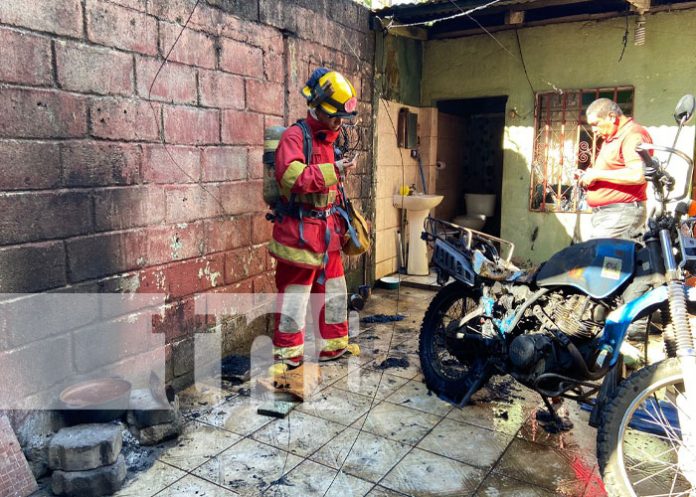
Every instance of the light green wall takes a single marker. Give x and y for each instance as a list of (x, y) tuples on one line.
[(565, 56)]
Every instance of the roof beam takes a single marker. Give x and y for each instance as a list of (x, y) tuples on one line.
[(514, 17), (641, 6)]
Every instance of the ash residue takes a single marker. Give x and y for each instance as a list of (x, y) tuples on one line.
[(394, 362), (382, 318), (503, 390), (138, 458), (501, 414), (283, 481), (235, 369)]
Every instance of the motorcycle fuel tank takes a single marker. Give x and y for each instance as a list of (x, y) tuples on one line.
[(596, 267)]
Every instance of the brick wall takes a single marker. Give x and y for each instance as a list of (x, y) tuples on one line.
[(91, 200)]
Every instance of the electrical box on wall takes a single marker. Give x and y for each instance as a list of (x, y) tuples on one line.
[(407, 129)]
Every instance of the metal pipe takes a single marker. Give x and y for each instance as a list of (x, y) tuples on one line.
[(668, 255), (420, 170)]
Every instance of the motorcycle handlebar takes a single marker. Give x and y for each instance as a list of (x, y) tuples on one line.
[(643, 150), (645, 155)]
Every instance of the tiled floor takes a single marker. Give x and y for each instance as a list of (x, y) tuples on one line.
[(403, 441)]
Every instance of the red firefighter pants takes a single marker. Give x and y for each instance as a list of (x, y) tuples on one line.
[(299, 288)]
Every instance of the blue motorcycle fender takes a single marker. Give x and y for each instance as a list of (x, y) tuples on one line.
[(619, 319)]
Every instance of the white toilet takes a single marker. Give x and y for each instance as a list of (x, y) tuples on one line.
[(479, 206)]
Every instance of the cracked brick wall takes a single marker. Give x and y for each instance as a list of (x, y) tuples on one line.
[(91, 200)]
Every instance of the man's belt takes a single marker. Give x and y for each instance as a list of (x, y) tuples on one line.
[(619, 205)]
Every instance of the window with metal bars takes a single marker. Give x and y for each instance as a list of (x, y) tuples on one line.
[(564, 144)]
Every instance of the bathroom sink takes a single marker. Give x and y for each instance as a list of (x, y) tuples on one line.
[(417, 202), (417, 209)]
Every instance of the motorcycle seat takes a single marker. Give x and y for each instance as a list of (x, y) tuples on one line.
[(499, 270)]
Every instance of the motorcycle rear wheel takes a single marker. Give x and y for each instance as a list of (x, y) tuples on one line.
[(447, 374), (640, 452)]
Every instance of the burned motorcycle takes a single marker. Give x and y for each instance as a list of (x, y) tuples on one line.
[(559, 331)]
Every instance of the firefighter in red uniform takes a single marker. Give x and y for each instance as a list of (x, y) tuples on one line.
[(308, 231)]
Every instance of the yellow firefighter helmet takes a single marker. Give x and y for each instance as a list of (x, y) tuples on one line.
[(331, 92)]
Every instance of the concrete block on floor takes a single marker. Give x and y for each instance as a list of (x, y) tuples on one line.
[(85, 447), (105, 480), (153, 435), (147, 411), (36, 453)]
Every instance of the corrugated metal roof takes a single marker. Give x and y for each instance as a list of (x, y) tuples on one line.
[(447, 5), (444, 17)]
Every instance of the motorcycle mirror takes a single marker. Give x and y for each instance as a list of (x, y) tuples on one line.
[(685, 109)]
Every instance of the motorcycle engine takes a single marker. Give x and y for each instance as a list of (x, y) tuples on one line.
[(538, 351), (576, 315), (526, 351)]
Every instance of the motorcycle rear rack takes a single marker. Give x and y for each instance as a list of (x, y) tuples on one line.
[(465, 238), (453, 245)]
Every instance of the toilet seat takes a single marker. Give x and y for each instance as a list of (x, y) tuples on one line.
[(473, 221)]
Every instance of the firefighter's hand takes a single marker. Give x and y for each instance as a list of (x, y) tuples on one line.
[(344, 165)]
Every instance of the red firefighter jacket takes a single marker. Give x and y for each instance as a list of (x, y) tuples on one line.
[(312, 188)]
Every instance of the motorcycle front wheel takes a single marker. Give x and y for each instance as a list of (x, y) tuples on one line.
[(641, 445), (449, 368)]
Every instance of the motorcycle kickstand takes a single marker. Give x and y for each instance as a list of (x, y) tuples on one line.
[(478, 383), (554, 423)]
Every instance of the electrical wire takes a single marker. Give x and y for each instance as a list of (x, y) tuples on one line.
[(468, 13), (398, 299), (219, 202), (483, 28), (154, 113), (624, 40), (517, 36), (524, 64), (391, 24)]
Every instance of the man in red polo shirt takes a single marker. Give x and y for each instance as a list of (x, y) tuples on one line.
[(616, 186)]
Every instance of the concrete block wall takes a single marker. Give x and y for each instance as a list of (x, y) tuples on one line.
[(113, 181)]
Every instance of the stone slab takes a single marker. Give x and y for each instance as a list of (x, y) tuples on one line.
[(105, 480), (146, 411), (153, 435), (85, 447)]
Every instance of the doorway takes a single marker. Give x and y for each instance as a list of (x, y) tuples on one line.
[(470, 145)]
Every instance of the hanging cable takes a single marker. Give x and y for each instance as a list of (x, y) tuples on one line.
[(398, 298), (154, 113), (524, 65), (391, 24), (624, 41), (483, 29)]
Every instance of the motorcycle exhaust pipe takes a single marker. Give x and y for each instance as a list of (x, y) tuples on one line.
[(580, 360)]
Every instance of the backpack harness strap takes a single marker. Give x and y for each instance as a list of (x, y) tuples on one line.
[(344, 211), (299, 211)]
